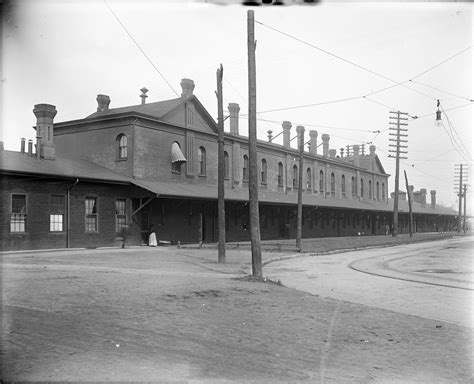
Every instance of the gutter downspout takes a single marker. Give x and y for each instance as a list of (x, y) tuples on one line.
[(68, 212)]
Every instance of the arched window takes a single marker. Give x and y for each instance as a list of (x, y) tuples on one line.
[(177, 158), (370, 189), (308, 179), (361, 187), (264, 172), (295, 176), (280, 174), (202, 161), (333, 185), (353, 186), (377, 191), (343, 186), (321, 181), (245, 169), (226, 165), (122, 146), (383, 191)]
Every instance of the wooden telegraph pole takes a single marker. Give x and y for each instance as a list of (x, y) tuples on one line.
[(299, 220), (410, 223), (253, 171), (220, 168), (399, 149), (464, 222)]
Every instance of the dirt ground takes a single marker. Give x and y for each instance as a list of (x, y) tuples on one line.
[(175, 315)]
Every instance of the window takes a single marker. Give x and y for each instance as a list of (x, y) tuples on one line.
[(370, 189), (377, 191), (321, 181), (353, 186), (202, 161), (122, 146), (18, 214), (120, 214), (308, 179), (295, 176), (226, 165), (280, 174), (383, 191), (177, 158), (343, 186), (91, 214), (56, 213), (333, 185), (264, 171), (245, 169), (361, 187)]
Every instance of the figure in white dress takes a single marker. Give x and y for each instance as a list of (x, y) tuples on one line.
[(152, 238)]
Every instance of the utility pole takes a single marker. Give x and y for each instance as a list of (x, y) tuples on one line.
[(220, 168), (464, 222), (299, 220), (253, 171), (410, 223), (399, 150), (458, 171)]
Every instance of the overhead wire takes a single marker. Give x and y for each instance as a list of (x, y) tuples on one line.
[(140, 48)]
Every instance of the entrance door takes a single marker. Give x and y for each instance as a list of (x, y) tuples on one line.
[(145, 225)]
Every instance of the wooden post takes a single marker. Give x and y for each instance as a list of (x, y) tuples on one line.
[(299, 220), (253, 171), (460, 198), (410, 222), (464, 195), (220, 169)]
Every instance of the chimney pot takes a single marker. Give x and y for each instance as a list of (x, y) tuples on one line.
[(313, 143), (30, 147), (22, 146), (234, 110), (286, 133), (103, 102), (270, 135), (45, 114), (2, 146), (187, 86), (325, 138)]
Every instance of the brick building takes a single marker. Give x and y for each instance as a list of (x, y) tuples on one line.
[(153, 166)]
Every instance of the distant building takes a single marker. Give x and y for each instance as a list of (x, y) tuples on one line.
[(153, 167)]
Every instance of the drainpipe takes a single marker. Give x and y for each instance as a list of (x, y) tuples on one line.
[(68, 222)]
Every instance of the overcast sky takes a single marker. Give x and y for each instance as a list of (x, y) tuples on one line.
[(66, 52)]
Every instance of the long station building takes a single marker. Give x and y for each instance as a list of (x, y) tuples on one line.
[(124, 172)]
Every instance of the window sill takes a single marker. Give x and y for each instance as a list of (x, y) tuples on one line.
[(124, 159), (91, 232), (202, 176)]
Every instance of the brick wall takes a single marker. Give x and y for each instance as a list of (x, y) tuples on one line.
[(37, 233)]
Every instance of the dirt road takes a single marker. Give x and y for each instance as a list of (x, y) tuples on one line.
[(175, 315)]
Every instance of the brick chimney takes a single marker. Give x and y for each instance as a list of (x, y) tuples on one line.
[(103, 102), (433, 199), (423, 196), (372, 150), (234, 118), (187, 86), (313, 143), (286, 133), (300, 132), (22, 145), (325, 139), (45, 130), (332, 153), (356, 155)]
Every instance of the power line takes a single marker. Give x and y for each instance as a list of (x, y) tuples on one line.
[(440, 90), (441, 63), (140, 48), (457, 138)]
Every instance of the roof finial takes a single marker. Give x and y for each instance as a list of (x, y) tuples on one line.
[(143, 95)]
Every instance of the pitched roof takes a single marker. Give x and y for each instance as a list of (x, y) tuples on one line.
[(20, 163), (157, 109), (186, 190)]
